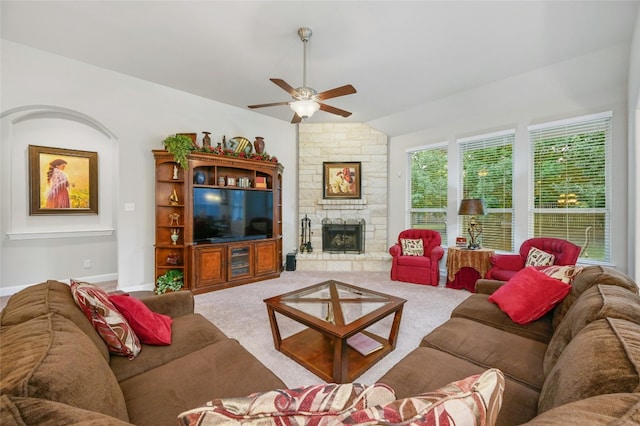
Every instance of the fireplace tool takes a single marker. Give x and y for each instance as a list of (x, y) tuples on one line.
[(305, 235)]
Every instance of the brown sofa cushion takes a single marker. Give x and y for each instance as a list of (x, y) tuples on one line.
[(489, 347), (220, 370), (590, 276), (603, 358), (52, 359), (426, 369), (478, 308), (18, 411), (611, 409), (49, 297), (189, 333), (597, 302)]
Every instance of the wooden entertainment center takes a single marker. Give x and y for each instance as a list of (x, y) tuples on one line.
[(236, 252)]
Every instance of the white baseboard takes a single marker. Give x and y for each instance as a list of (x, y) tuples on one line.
[(8, 291)]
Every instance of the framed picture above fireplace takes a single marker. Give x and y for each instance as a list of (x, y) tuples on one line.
[(341, 180)]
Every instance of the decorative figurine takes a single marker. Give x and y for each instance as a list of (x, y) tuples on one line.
[(174, 218), (173, 198), (206, 140), (175, 172)]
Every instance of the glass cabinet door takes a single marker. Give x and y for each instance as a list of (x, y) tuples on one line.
[(239, 261)]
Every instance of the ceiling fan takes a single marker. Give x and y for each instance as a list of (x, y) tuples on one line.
[(306, 99)]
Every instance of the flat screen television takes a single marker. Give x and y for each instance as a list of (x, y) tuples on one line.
[(225, 214)]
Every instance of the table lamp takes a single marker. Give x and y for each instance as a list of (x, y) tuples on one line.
[(472, 207)]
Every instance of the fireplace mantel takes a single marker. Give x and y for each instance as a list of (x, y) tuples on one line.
[(340, 204)]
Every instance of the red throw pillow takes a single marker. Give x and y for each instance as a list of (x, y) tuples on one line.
[(151, 327), (529, 294)]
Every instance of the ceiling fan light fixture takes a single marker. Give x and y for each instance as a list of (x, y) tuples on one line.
[(304, 108)]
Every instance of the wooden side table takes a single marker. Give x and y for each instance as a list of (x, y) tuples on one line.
[(465, 267)]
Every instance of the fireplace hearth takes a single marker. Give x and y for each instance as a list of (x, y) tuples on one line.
[(343, 236)]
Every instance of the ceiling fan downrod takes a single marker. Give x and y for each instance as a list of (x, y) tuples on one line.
[(305, 34), (304, 92)]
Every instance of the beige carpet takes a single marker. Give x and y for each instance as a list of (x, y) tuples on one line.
[(241, 314)]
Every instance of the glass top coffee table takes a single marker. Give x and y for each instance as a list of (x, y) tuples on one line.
[(335, 314)]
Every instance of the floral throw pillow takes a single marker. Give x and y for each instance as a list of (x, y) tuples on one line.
[(475, 400), (320, 405), (537, 257), (106, 319), (412, 247), (566, 274)]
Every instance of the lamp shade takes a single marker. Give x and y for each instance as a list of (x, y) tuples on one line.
[(304, 108), (472, 207)]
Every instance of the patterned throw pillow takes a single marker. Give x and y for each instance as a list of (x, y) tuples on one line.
[(108, 322), (475, 400), (318, 405), (566, 274), (412, 247), (537, 257)]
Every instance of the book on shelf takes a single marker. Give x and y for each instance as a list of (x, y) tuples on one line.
[(261, 182), (364, 344)]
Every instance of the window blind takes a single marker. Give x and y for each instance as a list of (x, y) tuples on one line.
[(570, 183), (428, 190), (486, 162)]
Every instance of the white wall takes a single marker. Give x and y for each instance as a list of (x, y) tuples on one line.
[(134, 116), (634, 154), (578, 86)]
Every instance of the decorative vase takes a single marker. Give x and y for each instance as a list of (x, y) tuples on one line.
[(206, 140), (174, 236), (199, 178), (258, 145)]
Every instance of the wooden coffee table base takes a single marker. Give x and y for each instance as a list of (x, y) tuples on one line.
[(322, 347), (317, 352)]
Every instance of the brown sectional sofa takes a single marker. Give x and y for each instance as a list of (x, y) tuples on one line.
[(579, 364), (56, 370)]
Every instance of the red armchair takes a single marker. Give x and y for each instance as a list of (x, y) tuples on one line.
[(505, 266), (417, 269)]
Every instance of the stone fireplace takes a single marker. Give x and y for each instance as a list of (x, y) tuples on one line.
[(343, 236), (357, 250)]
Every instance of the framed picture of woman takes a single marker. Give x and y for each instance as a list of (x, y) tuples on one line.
[(62, 181), (341, 180)]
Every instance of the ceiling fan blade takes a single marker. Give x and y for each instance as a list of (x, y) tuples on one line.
[(284, 86), (296, 119), (338, 91), (334, 110), (268, 105)]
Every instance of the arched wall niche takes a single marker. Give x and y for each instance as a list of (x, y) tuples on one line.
[(67, 242)]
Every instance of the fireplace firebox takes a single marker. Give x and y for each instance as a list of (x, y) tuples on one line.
[(343, 236)]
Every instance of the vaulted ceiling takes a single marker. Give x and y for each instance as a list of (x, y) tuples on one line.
[(398, 54)]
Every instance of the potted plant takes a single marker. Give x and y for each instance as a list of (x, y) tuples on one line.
[(170, 280), (179, 146)]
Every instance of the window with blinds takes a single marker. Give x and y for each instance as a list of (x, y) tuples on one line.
[(569, 187), (486, 162), (428, 190)]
